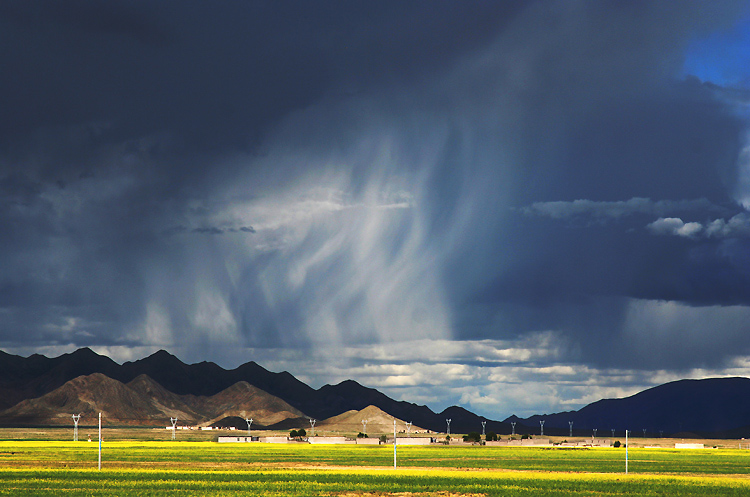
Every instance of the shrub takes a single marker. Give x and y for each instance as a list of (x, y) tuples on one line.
[(491, 437), (301, 433), (361, 435), (383, 439), (616, 444), (473, 437)]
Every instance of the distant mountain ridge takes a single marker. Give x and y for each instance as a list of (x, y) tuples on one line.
[(27, 378), (718, 407)]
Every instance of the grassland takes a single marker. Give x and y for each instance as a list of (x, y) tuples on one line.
[(148, 467)]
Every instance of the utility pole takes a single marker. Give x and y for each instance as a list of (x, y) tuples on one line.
[(626, 451), (512, 428), (174, 426), (76, 417), (364, 426), (100, 441), (408, 428), (312, 426), (394, 443), (571, 428), (541, 424), (249, 422), (484, 423), (449, 426)]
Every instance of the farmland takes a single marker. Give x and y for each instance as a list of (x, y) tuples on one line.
[(147, 467)]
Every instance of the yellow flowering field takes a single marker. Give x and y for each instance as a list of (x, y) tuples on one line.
[(209, 468)]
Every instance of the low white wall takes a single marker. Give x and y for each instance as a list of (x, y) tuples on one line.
[(275, 440), (689, 446), (413, 441), (236, 439), (330, 440), (368, 441), (528, 441)]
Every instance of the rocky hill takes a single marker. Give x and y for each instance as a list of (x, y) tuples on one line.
[(144, 402), (378, 422)]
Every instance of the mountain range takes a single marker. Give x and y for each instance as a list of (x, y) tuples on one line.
[(713, 407), (142, 401), (37, 390), (23, 379)]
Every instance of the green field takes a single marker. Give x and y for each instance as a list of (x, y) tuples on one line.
[(209, 468)]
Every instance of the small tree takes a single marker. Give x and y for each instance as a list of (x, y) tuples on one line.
[(473, 437), (361, 435), (383, 439), (616, 444), (491, 437), (301, 433)]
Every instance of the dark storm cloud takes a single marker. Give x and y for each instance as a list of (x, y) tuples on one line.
[(213, 230), (212, 76), (127, 104), (597, 150), (616, 209), (17, 188), (225, 175), (124, 18), (210, 231)]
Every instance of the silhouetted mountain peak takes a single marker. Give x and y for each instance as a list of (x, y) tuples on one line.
[(161, 356), (82, 352), (84, 356), (456, 411)]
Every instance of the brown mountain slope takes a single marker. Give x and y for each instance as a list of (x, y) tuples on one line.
[(245, 401), (87, 396), (378, 421), (144, 402), (170, 404)]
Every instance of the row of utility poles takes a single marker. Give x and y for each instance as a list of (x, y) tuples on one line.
[(77, 417)]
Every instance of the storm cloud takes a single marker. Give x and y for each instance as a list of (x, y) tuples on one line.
[(509, 192)]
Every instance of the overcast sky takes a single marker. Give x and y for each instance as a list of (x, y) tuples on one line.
[(517, 207)]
